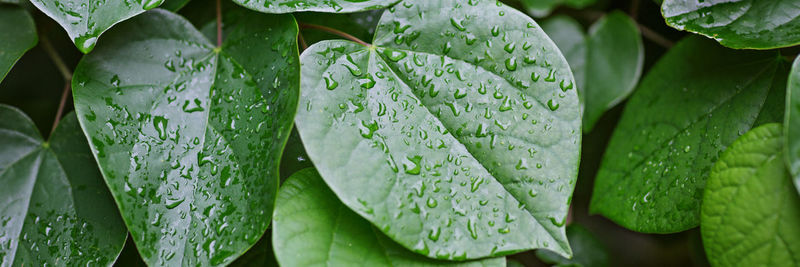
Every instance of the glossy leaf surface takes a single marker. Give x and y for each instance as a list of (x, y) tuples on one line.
[(615, 57), (86, 20), (792, 123), (313, 228), (458, 142), (18, 33), (686, 111), (754, 24), (588, 251), (335, 6), (750, 208), (56, 210), (189, 136), (570, 38)]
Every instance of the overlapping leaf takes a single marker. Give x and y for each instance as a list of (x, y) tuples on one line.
[(56, 210), (587, 249), (86, 20), (313, 228), (607, 64), (458, 142), (792, 123), (738, 23), (694, 103), (750, 210), (18, 34), (337, 6), (188, 136)]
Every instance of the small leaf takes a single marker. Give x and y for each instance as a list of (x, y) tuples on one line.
[(686, 111), (753, 24), (587, 249), (174, 5), (613, 65), (750, 211), (542, 8), (792, 123), (18, 34), (188, 136), (56, 208), (455, 134), (332, 6), (313, 228), (86, 20)]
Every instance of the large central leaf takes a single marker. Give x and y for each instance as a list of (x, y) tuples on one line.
[(457, 134), (54, 207), (188, 136)]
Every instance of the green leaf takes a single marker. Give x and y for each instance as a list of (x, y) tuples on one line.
[(331, 6), (174, 5), (588, 250), (685, 112), (750, 211), (56, 208), (570, 38), (601, 85), (18, 34), (738, 24), (792, 123), (458, 142), (313, 228), (86, 20), (613, 65), (188, 136), (542, 8)]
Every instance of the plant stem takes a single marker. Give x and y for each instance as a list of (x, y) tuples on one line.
[(301, 41), (66, 74), (219, 23), (655, 37), (634, 12), (334, 32)]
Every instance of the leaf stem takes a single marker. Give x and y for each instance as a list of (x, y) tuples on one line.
[(654, 37), (301, 41), (634, 11), (219, 23), (66, 74), (334, 32)]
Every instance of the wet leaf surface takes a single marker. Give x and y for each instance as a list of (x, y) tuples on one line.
[(18, 33), (686, 111), (588, 251), (333, 6), (56, 210), (457, 134), (750, 209), (86, 20), (313, 228), (738, 23), (189, 136)]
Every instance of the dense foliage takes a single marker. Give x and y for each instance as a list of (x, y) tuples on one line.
[(399, 133)]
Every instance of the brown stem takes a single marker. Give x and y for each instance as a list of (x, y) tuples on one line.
[(302, 42), (634, 12), (334, 32), (219, 23), (66, 74), (655, 37), (61, 105)]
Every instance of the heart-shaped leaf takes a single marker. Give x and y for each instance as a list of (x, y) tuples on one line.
[(336, 6), (56, 210), (684, 113), (310, 224), (750, 210), (18, 34), (458, 142), (739, 24), (86, 20), (792, 123), (188, 136)]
